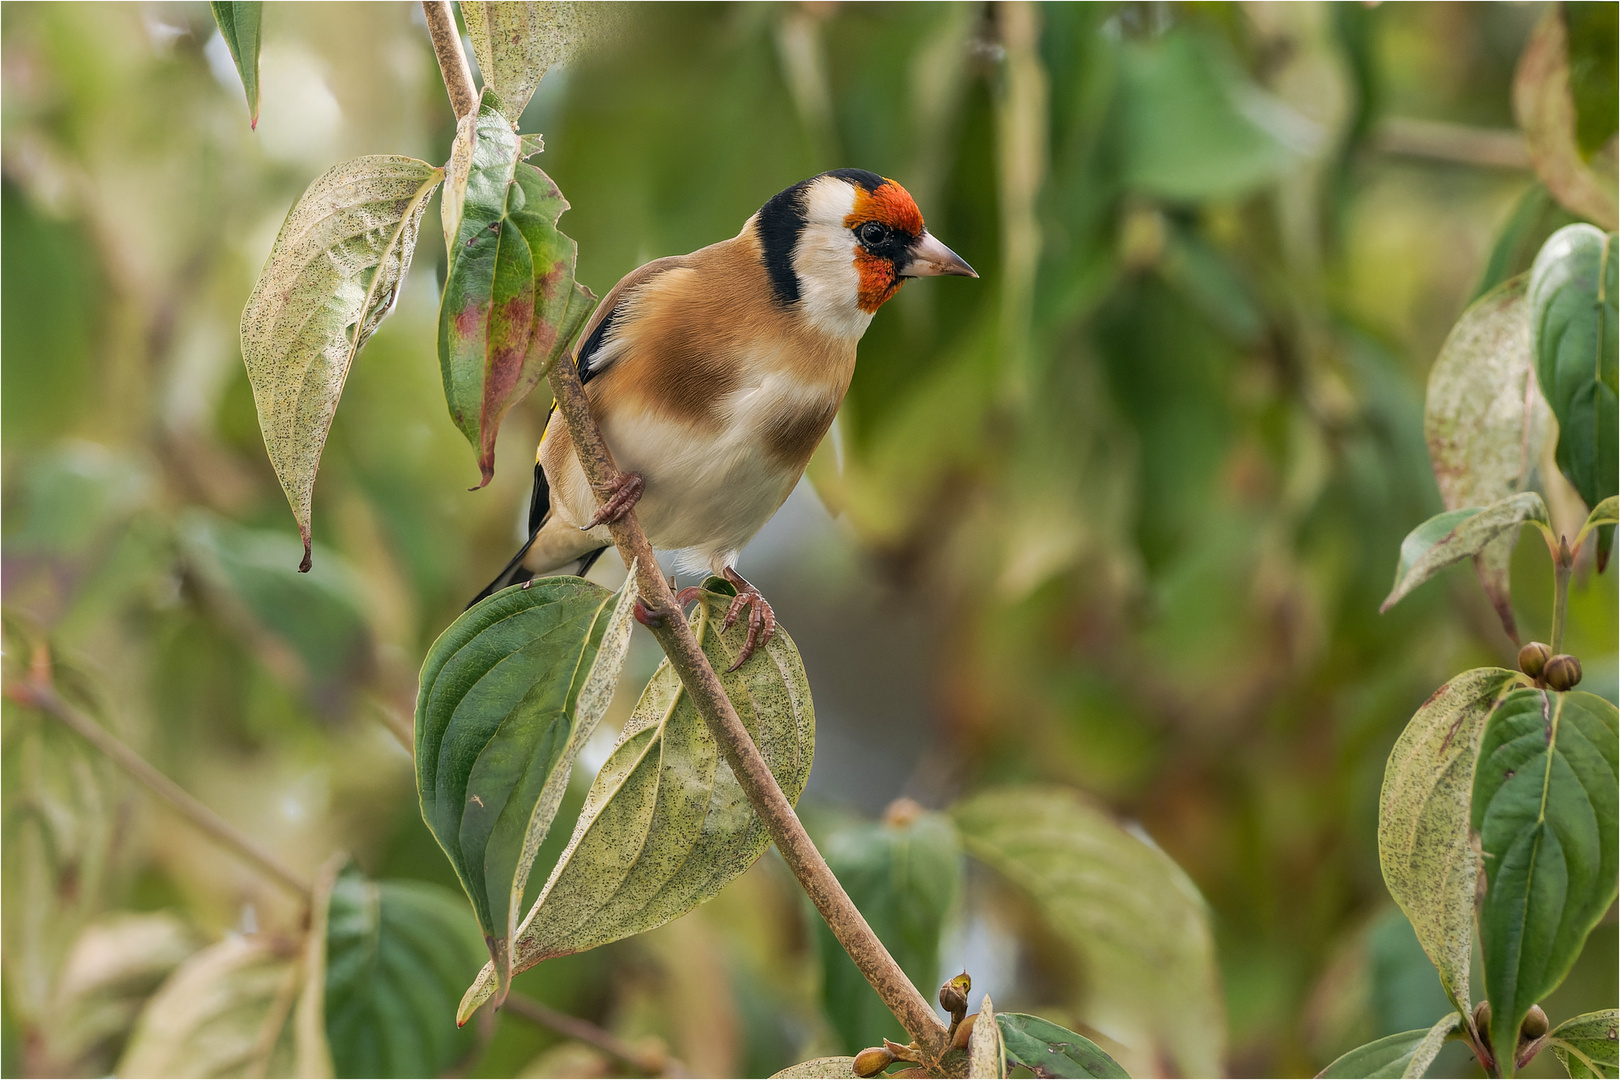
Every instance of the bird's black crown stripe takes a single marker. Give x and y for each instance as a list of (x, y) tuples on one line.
[(780, 220)]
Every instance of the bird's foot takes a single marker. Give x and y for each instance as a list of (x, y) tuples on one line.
[(626, 493), (761, 619)]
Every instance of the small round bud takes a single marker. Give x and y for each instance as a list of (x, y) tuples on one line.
[(1562, 672), (873, 1060), (1482, 1018), (1533, 658), (953, 996), (1535, 1024), (963, 1033)]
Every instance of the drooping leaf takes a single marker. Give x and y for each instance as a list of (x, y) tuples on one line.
[(903, 874), (1547, 811), (224, 1012), (1138, 924), (1575, 325), (665, 825), (1459, 534), (509, 694), (1545, 109), (1193, 126), (1046, 1049), (987, 1053), (511, 305), (1430, 866), (515, 44), (332, 275), (1586, 1045), (842, 1068), (1486, 422), (1604, 513), (397, 955), (1408, 1054), (238, 22)]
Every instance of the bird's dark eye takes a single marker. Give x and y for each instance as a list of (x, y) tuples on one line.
[(872, 234)]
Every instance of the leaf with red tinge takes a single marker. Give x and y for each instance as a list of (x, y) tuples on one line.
[(332, 275), (511, 305), (1545, 109)]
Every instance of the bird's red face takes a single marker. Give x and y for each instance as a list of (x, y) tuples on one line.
[(886, 222)]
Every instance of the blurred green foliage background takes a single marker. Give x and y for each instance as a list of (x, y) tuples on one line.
[(1116, 516)]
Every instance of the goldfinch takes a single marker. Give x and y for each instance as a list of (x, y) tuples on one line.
[(715, 375)]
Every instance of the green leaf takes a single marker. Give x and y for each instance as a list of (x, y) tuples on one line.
[(1193, 126), (1586, 1044), (238, 24), (1546, 808), (397, 953), (1046, 1049), (1137, 922), (1429, 863), (511, 305), (840, 1067), (665, 825), (515, 43), (1408, 1054), (332, 275), (903, 874), (1606, 512), (1459, 534), (1573, 320), (987, 1052), (248, 574), (509, 694), (1545, 109), (1486, 422), (224, 1012)]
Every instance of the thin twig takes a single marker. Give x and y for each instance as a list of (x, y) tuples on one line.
[(47, 700), (586, 1032), (458, 80), (686, 657)]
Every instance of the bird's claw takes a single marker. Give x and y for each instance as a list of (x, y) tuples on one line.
[(627, 491), (761, 619)]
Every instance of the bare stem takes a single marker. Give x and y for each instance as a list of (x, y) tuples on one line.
[(458, 80), (1563, 566), (686, 657), (45, 698), (586, 1032)]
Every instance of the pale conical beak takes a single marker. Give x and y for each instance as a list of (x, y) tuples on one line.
[(930, 258)]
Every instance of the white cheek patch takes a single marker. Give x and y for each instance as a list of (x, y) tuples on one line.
[(829, 283), (829, 201)]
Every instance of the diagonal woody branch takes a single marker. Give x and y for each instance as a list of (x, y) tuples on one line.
[(686, 657)]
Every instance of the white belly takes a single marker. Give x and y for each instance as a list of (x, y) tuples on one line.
[(707, 491)]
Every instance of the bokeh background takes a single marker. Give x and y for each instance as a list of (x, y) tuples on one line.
[(1116, 516)]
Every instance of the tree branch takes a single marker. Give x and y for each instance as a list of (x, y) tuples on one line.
[(458, 80), (586, 1032), (45, 698), (686, 657)]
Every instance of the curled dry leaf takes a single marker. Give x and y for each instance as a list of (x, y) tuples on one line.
[(1546, 802), (1545, 109), (1486, 422), (665, 825), (987, 1054), (509, 694), (1137, 921), (1430, 865), (332, 275), (511, 305)]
